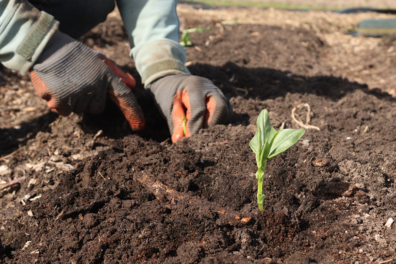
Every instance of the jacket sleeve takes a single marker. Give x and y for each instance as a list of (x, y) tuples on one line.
[(153, 31), (24, 32)]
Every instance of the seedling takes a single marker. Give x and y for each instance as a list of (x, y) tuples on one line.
[(268, 143), (184, 125), (186, 37)]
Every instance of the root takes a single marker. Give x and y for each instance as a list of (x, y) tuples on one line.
[(163, 192), (298, 120)]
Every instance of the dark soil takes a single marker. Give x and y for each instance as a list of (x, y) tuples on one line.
[(128, 198)]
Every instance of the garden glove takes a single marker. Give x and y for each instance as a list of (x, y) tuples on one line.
[(189, 103), (73, 78)]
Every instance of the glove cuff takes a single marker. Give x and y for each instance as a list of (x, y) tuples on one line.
[(57, 41), (24, 35), (162, 68), (158, 59)]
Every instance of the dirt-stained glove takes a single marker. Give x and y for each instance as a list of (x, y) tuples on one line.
[(73, 78), (189, 103)]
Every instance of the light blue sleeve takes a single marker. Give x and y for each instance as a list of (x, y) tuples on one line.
[(24, 32), (153, 31)]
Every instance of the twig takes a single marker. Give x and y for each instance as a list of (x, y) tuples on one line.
[(297, 119), (386, 261), (9, 155), (8, 184), (163, 192), (101, 175)]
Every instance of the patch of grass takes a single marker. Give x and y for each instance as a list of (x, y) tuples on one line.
[(255, 3)]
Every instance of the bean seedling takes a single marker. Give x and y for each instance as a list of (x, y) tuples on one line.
[(184, 125), (186, 37), (268, 143)]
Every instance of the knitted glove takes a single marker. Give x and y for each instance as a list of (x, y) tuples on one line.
[(189, 103), (73, 78)]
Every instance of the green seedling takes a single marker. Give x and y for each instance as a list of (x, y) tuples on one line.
[(268, 143), (184, 125), (186, 37)]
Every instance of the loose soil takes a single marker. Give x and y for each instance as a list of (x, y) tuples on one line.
[(117, 197)]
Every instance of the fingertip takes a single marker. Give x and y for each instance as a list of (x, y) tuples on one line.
[(210, 103), (177, 135), (130, 108)]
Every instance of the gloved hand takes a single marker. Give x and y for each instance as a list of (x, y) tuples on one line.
[(73, 78), (189, 103)]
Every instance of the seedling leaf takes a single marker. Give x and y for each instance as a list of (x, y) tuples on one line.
[(283, 140), (253, 143), (264, 124)]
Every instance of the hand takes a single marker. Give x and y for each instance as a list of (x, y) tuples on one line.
[(73, 78), (189, 103)]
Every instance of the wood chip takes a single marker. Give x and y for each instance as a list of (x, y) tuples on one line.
[(389, 222), (26, 245)]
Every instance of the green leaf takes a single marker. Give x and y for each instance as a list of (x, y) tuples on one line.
[(268, 132), (259, 147), (283, 140), (253, 143)]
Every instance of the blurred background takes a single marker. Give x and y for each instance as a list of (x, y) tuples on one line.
[(304, 4)]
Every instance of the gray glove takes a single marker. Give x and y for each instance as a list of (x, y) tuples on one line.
[(189, 103), (73, 78)]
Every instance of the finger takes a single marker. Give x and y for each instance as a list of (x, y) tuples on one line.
[(181, 115), (42, 90), (218, 109), (179, 124), (125, 77), (123, 97), (210, 102)]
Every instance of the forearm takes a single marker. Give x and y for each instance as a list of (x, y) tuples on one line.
[(153, 30), (24, 32)]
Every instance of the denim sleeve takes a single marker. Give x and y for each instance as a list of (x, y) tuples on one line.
[(24, 32), (153, 31)]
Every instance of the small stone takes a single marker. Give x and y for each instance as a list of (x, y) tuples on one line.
[(359, 185), (305, 142), (320, 162)]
